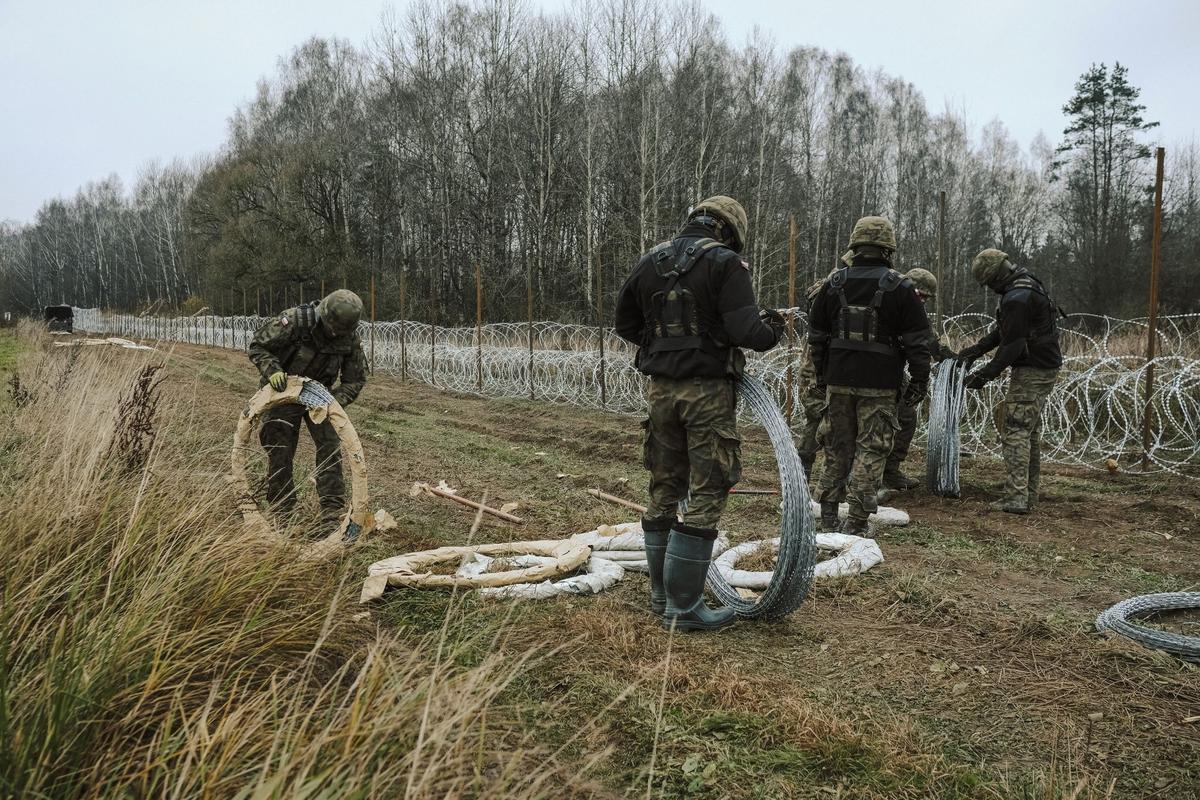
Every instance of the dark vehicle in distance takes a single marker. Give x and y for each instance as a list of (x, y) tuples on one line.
[(59, 318)]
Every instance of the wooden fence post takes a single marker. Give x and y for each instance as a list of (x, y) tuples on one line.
[(372, 322), (1152, 339), (478, 327), (789, 400), (600, 324)]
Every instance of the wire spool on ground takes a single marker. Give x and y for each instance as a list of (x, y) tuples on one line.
[(943, 445), (321, 405), (797, 548), (1116, 619)]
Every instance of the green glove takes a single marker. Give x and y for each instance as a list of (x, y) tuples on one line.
[(278, 381)]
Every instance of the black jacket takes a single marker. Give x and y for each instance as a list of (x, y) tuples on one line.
[(1025, 329), (726, 314), (900, 322)]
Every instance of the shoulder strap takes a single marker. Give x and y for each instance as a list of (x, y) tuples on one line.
[(306, 320)]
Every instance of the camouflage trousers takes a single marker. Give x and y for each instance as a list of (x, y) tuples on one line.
[(812, 402), (906, 418), (691, 443), (1021, 439), (279, 436), (860, 426)]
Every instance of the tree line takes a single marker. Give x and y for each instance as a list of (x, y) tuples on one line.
[(549, 150)]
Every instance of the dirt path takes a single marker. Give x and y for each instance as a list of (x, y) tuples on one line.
[(965, 666)]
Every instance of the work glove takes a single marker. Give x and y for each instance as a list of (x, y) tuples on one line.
[(968, 356), (914, 394), (340, 397), (976, 381), (774, 319), (278, 380)]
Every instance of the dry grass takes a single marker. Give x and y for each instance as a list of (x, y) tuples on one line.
[(150, 647)]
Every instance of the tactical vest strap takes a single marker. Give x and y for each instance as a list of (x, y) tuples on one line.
[(858, 325), (676, 325), (669, 343)]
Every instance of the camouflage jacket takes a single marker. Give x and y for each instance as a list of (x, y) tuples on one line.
[(297, 343)]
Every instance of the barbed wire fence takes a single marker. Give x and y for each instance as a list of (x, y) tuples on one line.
[(1095, 413)]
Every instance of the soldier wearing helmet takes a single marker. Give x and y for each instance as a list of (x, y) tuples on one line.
[(812, 399), (319, 341), (1025, 338), (894, 478), (689, 306), (865, 327)]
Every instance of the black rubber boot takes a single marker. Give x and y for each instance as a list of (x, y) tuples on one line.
[(829, 517), (684, 574), (656, 533)]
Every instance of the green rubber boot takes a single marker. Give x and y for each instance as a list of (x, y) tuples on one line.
[(684, 574), (656, 533)]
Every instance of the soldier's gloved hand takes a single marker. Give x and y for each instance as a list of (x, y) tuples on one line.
[(914, 394), (967, 356), (278, 381), (773, 318), (340, 397), (976, 381)]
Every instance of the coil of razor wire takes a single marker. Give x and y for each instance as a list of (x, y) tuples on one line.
[(314, 395), (942, 443), (797, 543), (1095, 411), (1116, 619)]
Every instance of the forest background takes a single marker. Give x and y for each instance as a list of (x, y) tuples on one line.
[(549, 150)]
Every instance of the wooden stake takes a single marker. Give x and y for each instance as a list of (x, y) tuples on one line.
[(432, 329), (621, 501), (789, 400), (529, 310), (941, 263), (504, 515), (600, 324), (1152, 340), (478, 328), (372, 322), (403, 326)]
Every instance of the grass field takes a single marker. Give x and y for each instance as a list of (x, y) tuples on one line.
[(152, 648)]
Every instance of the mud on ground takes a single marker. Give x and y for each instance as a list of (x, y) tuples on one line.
[(965, 666)]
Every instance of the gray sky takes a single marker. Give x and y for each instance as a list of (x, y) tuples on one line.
[(93, 87)]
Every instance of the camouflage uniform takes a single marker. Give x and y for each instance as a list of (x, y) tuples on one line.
[(865, 327), (691, 440), (689, 307), (813, 403), (1021, 440), (298, 343), (1025, 338)]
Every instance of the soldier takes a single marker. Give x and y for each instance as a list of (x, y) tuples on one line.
[(320, 341), (1026, 333), (863, 328), (893, 477), (689, 306)]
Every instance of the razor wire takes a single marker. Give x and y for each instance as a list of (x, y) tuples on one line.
[(943, 443), (793, 573), (1093, 413), (1116, 619)]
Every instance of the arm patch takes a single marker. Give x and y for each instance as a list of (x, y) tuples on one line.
[(284, 321)]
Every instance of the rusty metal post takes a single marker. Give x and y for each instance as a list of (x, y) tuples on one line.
[(432, 328), (478, 328), (372, 322), (1152, 339), (789, 401), (322, 288)]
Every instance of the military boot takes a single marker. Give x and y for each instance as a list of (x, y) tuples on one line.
[(829, 516), (853, 526), (656, 532), (689, 551), (893, 478), (1010, 505)]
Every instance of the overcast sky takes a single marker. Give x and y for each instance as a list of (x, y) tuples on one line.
[(93, 87)]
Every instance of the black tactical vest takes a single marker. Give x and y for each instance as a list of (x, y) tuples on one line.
[(674, 322), (857, 327), (1045, 331)]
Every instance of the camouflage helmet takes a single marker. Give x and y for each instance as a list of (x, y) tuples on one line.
[(990, 266), (730, 212), (924, 281), (873, 230), (341, 310)]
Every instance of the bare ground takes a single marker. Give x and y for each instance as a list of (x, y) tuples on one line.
[(965, 666)]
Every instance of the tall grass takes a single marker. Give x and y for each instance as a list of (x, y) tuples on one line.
[(149, 646)]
